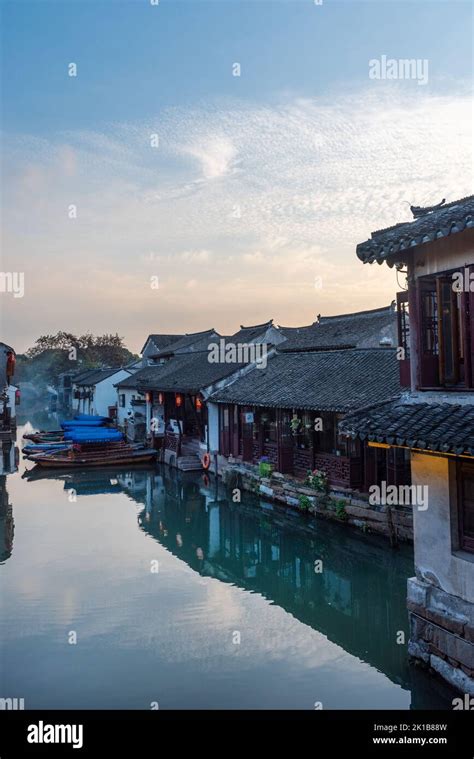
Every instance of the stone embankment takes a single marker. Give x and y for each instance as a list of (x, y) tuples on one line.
[(341, 505)]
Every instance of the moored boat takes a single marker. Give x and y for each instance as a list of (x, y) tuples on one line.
[(44, 447), (92, 446), (87, 456)]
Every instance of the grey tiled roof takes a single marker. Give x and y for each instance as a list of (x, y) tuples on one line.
[(440, 427), (392, 243), (186, 373), (93, 376), (247, 334), (140, 376), (196, 341), (345, 331), (340, 380), (161, 341)]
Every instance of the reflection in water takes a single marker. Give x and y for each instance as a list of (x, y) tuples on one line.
[(337, 628), (7, 525), (358, 600), (356, 597)]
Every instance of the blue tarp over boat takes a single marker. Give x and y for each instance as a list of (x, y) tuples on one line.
[(35, 447), (93, 417), (93, 435), (77, 423)]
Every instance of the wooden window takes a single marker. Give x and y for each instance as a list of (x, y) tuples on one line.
[(465, 479), (269, 425), (326, 439), (449, 322), (403, 323), (429, 305), (304, 438), (445, 359)]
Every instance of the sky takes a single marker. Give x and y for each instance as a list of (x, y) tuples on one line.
[(215, 163)]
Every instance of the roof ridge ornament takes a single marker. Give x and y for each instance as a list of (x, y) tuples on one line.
[(418, 211)]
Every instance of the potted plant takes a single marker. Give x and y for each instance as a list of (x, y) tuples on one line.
[(295, 424)]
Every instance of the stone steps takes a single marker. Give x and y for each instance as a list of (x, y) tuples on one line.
[(189, 463)]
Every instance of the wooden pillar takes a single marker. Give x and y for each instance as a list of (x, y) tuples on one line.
[(415, 326)]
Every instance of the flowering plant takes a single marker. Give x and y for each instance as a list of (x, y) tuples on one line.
[(317, 479)]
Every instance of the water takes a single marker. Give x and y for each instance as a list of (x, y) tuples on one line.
[(82, 564)]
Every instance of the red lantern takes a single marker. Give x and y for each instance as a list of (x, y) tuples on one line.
[(11, 361), (179, 400), (198, 403), (160, 398), (148, 397)]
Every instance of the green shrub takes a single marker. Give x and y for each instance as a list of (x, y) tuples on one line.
[(265, 469), (304, 502), (340, 509)]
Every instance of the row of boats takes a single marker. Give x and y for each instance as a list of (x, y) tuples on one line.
[(84, 441)]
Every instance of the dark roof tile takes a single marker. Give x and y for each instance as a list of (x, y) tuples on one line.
[(357, 330), (449, 219), (446, 427), (340, 380)]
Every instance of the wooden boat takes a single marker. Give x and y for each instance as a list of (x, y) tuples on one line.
[(43, 436), (44, 447), (95, 454)]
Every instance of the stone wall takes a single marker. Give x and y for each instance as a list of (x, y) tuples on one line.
[(341, 505), (442, 633)]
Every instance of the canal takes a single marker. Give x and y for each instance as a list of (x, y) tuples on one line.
[(131, 589)]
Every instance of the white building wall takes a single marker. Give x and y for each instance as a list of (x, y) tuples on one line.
[(436, 556), (453, 252), (213, 426), (11, 400), (105, 394), (124, 412)]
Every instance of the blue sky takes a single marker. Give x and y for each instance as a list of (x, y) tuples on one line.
[(260, 184)]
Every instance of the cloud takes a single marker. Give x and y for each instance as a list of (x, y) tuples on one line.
[(249, 202), (215, 154)]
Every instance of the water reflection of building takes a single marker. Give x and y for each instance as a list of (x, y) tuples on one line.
[(7, 525), (357, 601), (9, 458)]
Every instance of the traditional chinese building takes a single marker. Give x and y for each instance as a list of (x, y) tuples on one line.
[(434, 423), (363, 329), (289, 411), (176, 394), (95, 393)]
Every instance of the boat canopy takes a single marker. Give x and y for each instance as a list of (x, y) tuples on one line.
[(93, 417), (77, 423), (93, 435)]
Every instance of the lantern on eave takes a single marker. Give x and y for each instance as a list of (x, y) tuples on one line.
[(11, 361), (198, 403), (160, 399), (148, 396), (178, 400)]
